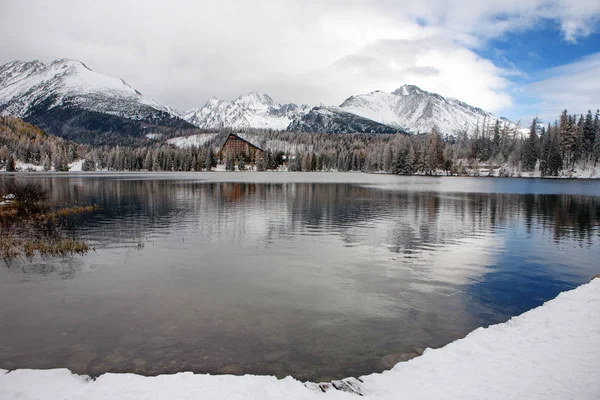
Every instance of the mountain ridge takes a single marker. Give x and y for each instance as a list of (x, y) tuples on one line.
[(68, 98), (414, 110), (253, 110)]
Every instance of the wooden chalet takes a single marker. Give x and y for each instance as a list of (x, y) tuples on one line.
[(240, 149)]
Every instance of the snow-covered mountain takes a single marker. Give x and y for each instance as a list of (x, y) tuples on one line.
[(254, 110), (24, 85), (66, 97), (338, 120), (408, 108)]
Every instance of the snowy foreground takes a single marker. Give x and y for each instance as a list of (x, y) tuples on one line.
[(551, 352)]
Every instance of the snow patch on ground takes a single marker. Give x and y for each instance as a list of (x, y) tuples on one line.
[(550, 352), (275, 145), (76, 166), (192, 140), (579, 171), (22, 166)]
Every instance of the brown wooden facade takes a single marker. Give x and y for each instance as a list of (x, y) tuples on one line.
[(240, 149)]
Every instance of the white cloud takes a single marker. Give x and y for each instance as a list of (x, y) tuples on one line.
[(435, 64), (574, 86), (182, 52)]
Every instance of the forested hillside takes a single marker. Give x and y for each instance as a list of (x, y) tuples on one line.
[(26, 143), (562, 148)]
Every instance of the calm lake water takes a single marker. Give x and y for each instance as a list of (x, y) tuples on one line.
[(319, 276)]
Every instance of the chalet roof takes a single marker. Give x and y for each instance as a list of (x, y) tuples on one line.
[(240, 138)]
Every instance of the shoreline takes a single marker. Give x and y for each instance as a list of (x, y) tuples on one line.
[(104, 172), (559, 339)]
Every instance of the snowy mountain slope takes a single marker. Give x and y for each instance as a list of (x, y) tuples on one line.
[(66, 98), (254, 110), (338, 120), (23, 84), (408, 108)]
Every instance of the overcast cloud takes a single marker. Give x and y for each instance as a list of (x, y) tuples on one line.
[(183, 52)]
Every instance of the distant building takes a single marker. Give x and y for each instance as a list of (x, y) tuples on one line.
[(240, 149)]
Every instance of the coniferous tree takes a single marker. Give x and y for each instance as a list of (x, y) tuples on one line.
[(316, 161), (387, 158), (10, 164), (597, 140), (433, 152), (566, 139), (261, 164), (589, 137), (208, 163), (294, 162), (530, 149), (578, 148), (319, 163), (496, 138), (46, 164), (555, 162), (88, 165)]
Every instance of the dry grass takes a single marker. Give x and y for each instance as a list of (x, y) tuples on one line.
[(31, 228), (66, 212)]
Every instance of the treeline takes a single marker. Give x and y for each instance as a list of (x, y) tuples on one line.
[(27, 143), (159, 157), (573, 141)]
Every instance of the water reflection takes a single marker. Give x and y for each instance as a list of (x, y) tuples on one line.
[(317, 280)]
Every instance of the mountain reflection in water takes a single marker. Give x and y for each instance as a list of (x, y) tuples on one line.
[(318, 280)]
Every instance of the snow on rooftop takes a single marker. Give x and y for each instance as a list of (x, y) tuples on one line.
[(550, 352)]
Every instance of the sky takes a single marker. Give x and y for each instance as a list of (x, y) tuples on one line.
[(516, 58)]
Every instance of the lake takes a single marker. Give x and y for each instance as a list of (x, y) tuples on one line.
[(315, 275)]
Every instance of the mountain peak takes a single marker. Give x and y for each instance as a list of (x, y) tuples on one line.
[(252, 110), (415, 110), (67, 82), (408, 90), (68, 62), (254, 99), (213, 101), (41, 92)]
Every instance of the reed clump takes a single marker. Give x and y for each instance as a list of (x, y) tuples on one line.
[(29, 227)]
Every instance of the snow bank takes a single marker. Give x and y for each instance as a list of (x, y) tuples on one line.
[(550, 352)]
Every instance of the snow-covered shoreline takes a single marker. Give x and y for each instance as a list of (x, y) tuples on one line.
[(76, 167), (550, 352)]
